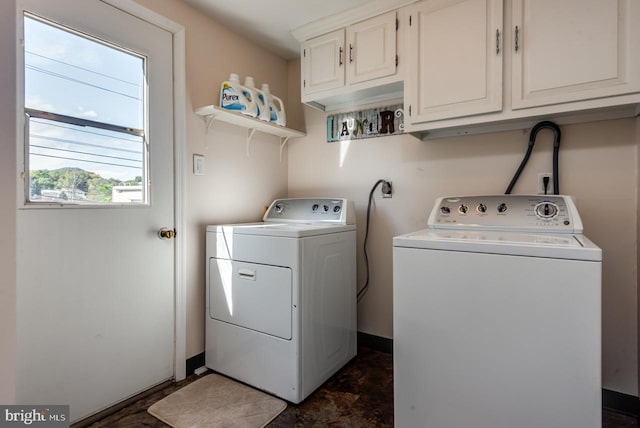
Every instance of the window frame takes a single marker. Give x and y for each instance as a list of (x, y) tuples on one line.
[(25, 114)]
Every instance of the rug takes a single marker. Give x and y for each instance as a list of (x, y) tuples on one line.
[(216, 401)]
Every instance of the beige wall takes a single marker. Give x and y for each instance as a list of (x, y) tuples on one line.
[(8, 204), (235, 187), (598, 165)]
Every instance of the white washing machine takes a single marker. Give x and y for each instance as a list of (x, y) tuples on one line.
[(497, 317), (281, 296)]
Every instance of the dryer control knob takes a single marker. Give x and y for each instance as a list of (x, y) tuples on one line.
[(279, 208), (463, 209), (481, 208), (502, 208)]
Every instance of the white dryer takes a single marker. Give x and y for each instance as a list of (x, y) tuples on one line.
[(281, 296), (497, 317)]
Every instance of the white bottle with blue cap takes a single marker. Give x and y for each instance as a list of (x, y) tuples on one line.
[(233, 96)]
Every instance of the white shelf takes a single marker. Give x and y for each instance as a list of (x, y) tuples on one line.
[(212, 113)]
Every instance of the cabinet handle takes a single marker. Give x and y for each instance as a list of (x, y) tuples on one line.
[(340, 57), (350, 53), (497, 41), (516, 42)]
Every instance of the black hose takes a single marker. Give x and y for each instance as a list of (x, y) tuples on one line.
[(364, 289), (532, 140)]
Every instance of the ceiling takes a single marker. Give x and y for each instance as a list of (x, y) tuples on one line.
[(268, 23)]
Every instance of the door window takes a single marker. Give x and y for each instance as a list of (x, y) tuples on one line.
[(85, 115)]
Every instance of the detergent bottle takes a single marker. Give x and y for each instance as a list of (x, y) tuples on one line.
[(256, 94), (233, 96), (276, 106)]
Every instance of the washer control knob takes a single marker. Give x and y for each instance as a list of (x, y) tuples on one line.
[(279, 208), (546, 210), (336, 209), (315, 207), (325, 207), (502, 208), (445, 210), (481, 208), (463, 209)]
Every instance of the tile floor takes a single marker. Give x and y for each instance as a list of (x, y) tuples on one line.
[(360, 395)]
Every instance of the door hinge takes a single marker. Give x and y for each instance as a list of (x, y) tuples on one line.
[(304, 53), (409, 20), (397, 24), (304, 83), (396, 60), (409, 109)]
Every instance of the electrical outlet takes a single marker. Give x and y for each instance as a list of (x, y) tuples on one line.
[(387, 189), (541, 177)]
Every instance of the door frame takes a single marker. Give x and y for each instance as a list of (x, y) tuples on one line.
[(179, 155)]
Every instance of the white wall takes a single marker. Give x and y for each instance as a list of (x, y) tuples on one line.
[(598, 165), (8, 204), (235, 187)]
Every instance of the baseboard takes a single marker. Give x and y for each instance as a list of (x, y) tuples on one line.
[(619, 402), (195, 362), (377, 343)]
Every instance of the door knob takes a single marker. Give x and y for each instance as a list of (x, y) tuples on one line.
[(165, 233)]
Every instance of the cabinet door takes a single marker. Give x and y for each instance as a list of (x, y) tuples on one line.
[(457, 70), (574, 50), (371, 49), (323, 62)]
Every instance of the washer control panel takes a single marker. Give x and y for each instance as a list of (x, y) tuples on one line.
[(507, 212), (311, 210)]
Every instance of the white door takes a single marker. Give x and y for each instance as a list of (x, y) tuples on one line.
[(458, 68), (574, 50), (323, 61), (95, 290), (371, 48)]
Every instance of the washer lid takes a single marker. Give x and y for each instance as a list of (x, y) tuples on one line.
[(548, 245)]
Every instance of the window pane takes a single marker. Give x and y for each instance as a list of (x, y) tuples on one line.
[(80, 164), (69, 74), (91, 149)]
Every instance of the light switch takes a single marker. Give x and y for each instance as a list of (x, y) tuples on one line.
[(198, 165)]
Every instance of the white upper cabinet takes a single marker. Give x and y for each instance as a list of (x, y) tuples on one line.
[(371, 49), (353, 65), (323, 62), (457, 66), (566, 60), (573, 50)]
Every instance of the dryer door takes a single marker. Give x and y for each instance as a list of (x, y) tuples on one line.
[(251, 295)]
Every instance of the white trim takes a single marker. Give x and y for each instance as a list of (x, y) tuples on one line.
[(179, 117), (366, 10)]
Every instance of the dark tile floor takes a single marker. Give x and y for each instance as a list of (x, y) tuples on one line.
[(360, 395)]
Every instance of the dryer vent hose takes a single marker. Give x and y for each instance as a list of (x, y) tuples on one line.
[(532, 140)]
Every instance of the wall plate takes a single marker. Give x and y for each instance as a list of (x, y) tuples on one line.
[(198, 165)]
